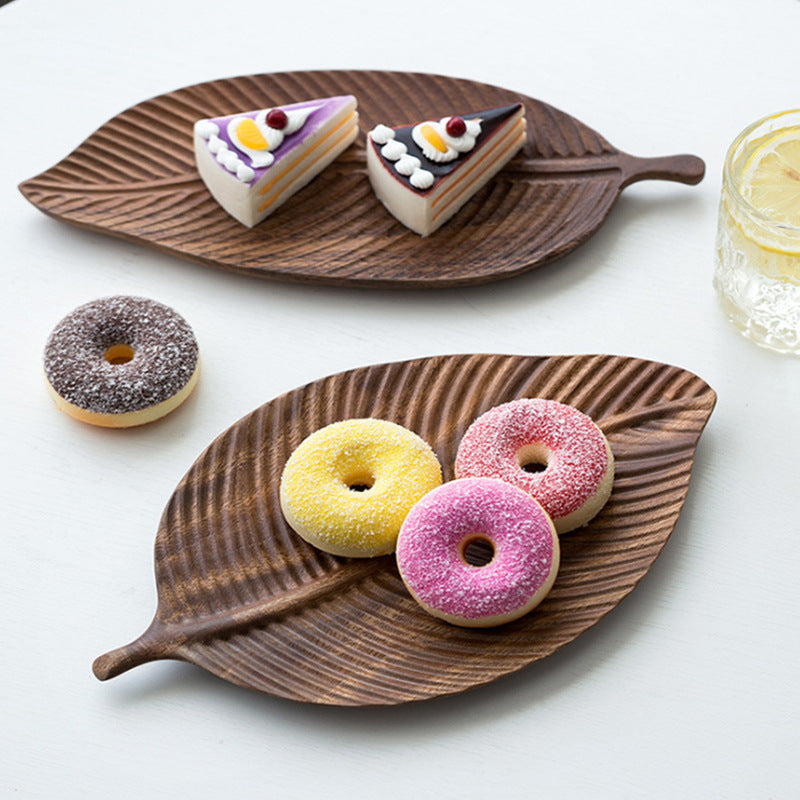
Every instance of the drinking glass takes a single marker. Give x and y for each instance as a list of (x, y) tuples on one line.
[(757, 275)]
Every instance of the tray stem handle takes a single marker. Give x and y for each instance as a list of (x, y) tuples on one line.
[(148, 647), (683, 168)]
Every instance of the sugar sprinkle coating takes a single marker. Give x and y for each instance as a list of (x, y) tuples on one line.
[(348, 487), (432, 563), (577, 466), (163, 349)]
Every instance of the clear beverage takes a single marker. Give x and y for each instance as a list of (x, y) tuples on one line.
[(757, 274)]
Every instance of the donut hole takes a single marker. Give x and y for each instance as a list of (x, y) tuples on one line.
[(360, 481), (534, 466), (533, 458), (119, 354), (477, 550)]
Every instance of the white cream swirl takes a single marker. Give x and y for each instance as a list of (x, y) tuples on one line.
[(393, 150), (421, 179), (273, 137), (209, 131), (438, 145), (381, 134), (406, 164)]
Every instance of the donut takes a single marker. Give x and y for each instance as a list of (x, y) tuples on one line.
[(121, 361), (478, 552), (550, 450), (348, 487)]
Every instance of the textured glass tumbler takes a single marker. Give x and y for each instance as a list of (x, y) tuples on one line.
[(757, 274)]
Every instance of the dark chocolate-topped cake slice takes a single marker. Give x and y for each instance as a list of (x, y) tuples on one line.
[(424, 173)]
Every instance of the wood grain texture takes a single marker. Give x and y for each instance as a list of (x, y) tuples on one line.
[(135, 178), (242, 596)]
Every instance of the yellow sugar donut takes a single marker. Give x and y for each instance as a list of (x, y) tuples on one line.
[(348, 487)]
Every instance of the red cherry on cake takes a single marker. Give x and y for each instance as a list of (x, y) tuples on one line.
[(276, 118), (455, 127)]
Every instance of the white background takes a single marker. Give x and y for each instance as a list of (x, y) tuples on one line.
[(690, 688)]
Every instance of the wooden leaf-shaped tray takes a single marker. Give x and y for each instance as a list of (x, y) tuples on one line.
[(242, 596), (135, 178)]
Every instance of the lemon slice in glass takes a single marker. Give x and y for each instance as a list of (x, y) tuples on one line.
[(769, 182), (771, 177)]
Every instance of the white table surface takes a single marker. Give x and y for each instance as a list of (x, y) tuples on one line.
[(688, 689)]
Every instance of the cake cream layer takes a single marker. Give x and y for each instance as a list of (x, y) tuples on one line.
[(476, 174), (292, 175), (239, 179), (425, 211)]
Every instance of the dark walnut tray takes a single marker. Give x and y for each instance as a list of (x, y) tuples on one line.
[(135, 178), (242, 596)]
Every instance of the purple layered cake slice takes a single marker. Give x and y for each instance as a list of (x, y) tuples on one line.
[(252, 162), (424, 173)]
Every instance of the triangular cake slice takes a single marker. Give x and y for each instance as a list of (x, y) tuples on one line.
[(252, 162), (424, 173)]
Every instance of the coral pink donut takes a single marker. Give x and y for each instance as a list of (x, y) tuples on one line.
[(516, 540), (550, 450)]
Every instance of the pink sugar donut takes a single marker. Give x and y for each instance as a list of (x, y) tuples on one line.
[(517, 539), (550, 450)]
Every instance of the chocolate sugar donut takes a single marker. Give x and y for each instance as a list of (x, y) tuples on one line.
[(121, 361)]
